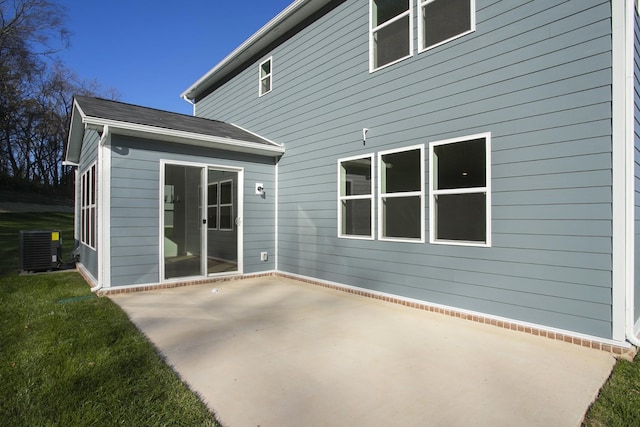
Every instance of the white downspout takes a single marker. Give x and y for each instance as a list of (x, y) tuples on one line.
[(629, 26), (100, 226), (193, 104)]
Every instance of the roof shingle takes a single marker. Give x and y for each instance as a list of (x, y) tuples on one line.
[(129, 113)]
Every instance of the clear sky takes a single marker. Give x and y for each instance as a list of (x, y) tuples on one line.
[(152, 50)]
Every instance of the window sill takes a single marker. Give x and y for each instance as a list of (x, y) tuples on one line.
[(401, 240), (355, 237), (461, 243)]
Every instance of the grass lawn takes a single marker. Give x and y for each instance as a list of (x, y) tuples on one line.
[(69, 358), (618, 404)]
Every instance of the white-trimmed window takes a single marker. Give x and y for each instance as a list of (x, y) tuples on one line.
[(355, 197), (266, 76), (390, 32), (212, 206), (225, 206), (88, 207), (440, 21), (460, 191), (401, 204)]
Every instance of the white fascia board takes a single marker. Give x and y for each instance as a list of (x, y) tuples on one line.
[(294, 14), (76, 133), (182, 137)]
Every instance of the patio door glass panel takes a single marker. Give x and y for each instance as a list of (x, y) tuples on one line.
[(183, 228), (222, 221)]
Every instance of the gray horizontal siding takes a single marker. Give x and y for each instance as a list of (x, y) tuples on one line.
[(536, 75), (135, 216)]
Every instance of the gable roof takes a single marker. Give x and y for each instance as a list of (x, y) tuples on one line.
[(134, 120), (286, 21)]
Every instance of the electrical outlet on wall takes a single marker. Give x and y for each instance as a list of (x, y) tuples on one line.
[(264, 256)]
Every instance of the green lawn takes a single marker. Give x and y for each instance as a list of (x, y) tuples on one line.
[(70, 358), (618, 404)]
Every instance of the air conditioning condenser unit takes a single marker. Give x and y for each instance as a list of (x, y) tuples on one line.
[(39, 250)]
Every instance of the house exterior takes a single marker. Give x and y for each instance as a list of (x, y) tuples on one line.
[(474, 157)]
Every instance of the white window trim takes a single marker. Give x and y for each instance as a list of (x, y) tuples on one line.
[(421, 4), (369, 196), (213, 205), (268, 76), (420, 193), (373, 30), (486, 190), (87, 219), (224, 205)]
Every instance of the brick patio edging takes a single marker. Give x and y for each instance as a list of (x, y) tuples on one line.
[(622, 352)]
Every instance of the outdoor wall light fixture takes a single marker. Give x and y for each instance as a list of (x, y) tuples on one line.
[(364, 136)]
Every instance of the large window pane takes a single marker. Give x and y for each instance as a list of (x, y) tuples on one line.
[(355, 177), (401, 172), (356, 217), (444, 19), (384, 10), (460, 165), (401, 217), (461, 217), (391, 42)]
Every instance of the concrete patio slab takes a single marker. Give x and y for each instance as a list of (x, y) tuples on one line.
[(276, 352)]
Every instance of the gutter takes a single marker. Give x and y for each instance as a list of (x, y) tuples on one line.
[(172, 135), (193, 104)]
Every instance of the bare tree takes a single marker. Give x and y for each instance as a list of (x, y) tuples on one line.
[(35, 91)]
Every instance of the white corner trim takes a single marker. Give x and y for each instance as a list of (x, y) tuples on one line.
[(104, 209), (622, 189)]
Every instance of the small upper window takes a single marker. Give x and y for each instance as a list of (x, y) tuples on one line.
[(460, 196), (266, 76), (390, 32), (401, 196), (443, 20)]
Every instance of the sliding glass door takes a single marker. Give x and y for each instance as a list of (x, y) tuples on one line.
[(201, 221)]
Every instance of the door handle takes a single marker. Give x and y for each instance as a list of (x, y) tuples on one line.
[(204, 220)]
